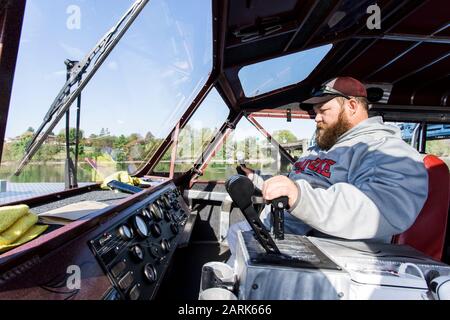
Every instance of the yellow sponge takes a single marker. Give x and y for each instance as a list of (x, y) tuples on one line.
[(18, 229), (10, 214), (32, 233)]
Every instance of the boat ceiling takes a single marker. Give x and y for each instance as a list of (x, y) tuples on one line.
[(411, 51)]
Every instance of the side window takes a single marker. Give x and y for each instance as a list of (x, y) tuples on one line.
[(438, 138), (407, 129), (196, 135), (438, 141), (259, 153)]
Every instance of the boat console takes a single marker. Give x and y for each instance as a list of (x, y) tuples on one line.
[(119, 252), (334, 270), (296, 267)]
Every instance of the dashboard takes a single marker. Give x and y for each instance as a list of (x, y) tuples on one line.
[(121, 252), (136, 251)]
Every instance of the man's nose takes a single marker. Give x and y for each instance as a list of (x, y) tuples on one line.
[(318, 118)]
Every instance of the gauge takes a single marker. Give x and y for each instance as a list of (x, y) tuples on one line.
[(146, 213), (165, 245), (155, 230), (150, 273), (155, 251), (174, 227), (137, 252), (161, 203), (166, 202), (167, 216), (140, 226), (126, 233), (156, 212)]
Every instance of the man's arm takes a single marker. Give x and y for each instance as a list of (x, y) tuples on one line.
[(257, 180), (383, 199)]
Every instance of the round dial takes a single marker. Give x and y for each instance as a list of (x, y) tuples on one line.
[(137, 252), (155, 230), (165, 245), (146, 213), (150, 273), (155, 251), (166, 202), (156, 212), (140, 226), (126, 233), (167, 216), (161, 205), (174, 227)]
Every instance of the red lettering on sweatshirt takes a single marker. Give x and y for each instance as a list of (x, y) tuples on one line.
[(320, 166), (326, 168)]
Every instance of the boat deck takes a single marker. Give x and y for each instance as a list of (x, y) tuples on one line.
[(21, 191)]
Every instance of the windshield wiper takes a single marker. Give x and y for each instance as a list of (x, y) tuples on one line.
[(66, 96)]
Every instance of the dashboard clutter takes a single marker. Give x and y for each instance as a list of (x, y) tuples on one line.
[(72, 212), (123, 187), (121, 176), (18, 225)]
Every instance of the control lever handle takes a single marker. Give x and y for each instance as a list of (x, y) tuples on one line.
[(278, 206), (241, 190)]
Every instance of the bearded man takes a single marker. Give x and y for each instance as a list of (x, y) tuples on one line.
[(360, 180)]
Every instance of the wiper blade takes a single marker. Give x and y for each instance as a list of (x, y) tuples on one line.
[(67, 96)]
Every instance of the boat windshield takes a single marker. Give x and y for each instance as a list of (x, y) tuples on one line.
[(133, 101)]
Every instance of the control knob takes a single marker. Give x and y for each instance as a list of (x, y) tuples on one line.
[(150, 273), (137, 253)]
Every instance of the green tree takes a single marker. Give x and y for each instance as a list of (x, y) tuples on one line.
[(61, 136), (284, 136)]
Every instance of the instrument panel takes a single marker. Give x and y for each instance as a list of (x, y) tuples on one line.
[(136, 251)]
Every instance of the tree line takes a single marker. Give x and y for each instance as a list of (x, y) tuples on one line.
[(131, 148)]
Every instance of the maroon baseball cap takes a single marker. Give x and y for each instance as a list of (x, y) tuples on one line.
[(337, 87)]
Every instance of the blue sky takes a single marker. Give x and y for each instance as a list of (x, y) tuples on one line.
[(145, 84)]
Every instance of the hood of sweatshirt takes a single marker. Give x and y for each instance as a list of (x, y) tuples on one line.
[(371, 126)]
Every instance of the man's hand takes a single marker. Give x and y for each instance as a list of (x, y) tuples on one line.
[(280, 186), (248, 172)]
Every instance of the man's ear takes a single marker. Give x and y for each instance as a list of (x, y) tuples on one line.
[(353, 106)]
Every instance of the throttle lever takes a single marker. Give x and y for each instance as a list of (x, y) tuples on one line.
[(278, 206)]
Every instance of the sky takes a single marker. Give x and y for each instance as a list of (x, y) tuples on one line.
[(149, 79)]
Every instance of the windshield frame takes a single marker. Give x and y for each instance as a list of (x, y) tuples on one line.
[(11, 22)]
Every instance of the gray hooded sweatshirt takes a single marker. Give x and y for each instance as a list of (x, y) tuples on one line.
[(369, 185)]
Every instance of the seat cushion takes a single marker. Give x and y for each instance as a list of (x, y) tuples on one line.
[(427, 234)]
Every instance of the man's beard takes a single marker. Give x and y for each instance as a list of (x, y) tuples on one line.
[(327, 137)]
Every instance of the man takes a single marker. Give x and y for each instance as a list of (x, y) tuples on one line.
[(360, 180)]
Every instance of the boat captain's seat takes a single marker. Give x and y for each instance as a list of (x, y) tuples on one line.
[(427, 234)]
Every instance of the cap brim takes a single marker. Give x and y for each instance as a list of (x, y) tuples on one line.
[(321, 99)]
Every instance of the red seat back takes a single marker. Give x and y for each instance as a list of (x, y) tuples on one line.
[(427, 234)]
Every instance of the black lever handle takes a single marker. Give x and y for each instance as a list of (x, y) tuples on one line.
[(240, 188), (278, 207)]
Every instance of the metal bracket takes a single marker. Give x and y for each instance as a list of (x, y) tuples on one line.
[(197, 171), (230, 125)]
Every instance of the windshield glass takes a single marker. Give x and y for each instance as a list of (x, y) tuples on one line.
[(132, 102), (195, 136), (257, 152)]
